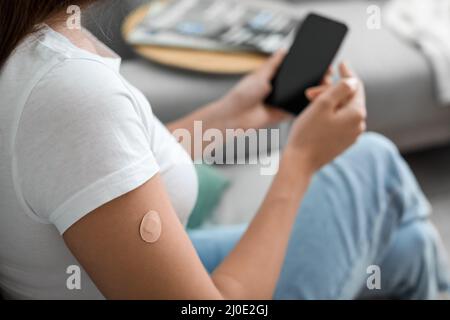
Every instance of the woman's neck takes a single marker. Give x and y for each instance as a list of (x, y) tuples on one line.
[(77, 36)]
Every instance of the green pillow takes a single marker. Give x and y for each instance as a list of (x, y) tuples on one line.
[(211, 188)]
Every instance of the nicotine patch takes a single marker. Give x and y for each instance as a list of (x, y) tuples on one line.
[(151, 227)]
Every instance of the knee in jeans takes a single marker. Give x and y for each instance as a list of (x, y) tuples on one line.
[(377, 158), (377, 144), (375, 150)]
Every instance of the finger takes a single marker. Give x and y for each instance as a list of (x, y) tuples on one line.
[(313, 93), (354, 114), (354, 109), (345, 71), (328, 78), (269, 69), (339, 94)]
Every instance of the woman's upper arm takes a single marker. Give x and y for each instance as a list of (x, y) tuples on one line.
[(85, 164), (108, 244)]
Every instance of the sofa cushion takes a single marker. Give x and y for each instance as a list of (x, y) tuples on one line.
[(246, 193), (211, 188)]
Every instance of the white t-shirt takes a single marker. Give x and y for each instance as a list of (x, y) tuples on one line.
[(74, 135)]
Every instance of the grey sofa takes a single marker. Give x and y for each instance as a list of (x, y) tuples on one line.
[(401, 96), (398, 78)]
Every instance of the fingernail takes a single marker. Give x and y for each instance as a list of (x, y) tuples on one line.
[(353, 83)]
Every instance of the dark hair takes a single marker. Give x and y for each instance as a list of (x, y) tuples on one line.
[(19, 18)]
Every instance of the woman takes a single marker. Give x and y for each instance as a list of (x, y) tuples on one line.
[(85, 164)]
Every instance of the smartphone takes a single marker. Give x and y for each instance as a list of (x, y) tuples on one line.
[(316, 44)]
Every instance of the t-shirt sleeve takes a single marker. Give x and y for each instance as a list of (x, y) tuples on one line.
[(81, 142)]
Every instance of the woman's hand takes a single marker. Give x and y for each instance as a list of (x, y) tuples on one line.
[(333, 121), (244, 105)]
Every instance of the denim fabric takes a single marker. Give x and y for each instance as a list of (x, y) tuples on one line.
[(365, 209)]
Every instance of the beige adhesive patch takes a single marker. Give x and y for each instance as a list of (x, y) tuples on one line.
[(151, 227)]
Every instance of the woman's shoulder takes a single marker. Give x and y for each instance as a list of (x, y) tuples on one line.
[(43, 66), (60, 67), (81, 75), (79, 85), (42, 79)]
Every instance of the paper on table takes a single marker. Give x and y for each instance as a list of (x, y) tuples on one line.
[(215, 25)]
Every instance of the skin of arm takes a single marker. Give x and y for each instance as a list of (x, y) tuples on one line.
[(108, 245)]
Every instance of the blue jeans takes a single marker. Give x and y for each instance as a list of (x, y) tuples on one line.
[(363, 213)]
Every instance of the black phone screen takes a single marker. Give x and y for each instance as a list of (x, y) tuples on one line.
[(316, 44)]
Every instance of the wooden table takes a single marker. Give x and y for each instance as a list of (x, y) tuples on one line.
[(188, 59)]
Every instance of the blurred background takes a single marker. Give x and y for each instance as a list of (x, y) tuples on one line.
[(403, 70)]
